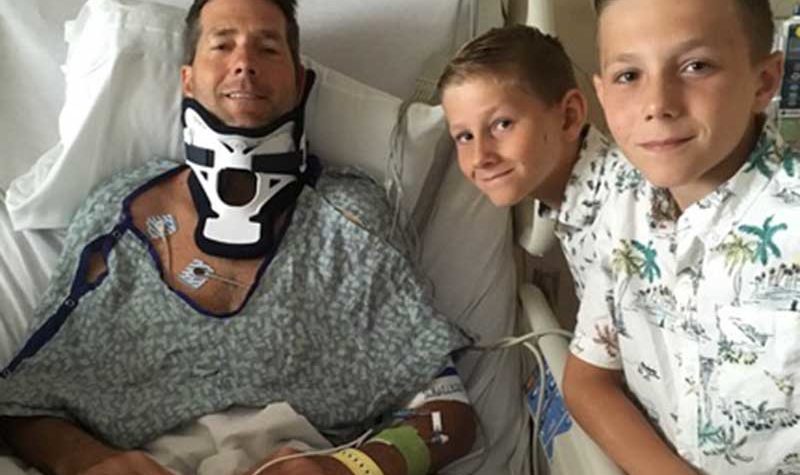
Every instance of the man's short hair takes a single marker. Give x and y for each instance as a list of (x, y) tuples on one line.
[(191, 31), (520, 54), (756, 16)]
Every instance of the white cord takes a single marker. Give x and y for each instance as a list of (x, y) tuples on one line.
[(508, 342), (524, 340), (355, 443), (539, 403)]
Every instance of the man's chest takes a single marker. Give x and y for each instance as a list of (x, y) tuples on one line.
[(166, 217)]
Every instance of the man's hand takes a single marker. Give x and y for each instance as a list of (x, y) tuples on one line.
[(62, 447), (313, 465), (127, 463)]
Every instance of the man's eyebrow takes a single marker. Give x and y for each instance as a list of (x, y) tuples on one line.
[(265, 33)]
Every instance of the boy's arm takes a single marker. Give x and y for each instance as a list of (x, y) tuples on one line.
[(59, 447), (596, 399)]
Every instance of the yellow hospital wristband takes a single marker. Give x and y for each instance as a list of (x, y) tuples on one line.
[(357, 462)]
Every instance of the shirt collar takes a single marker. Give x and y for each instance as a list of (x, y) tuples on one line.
[(590, 181), (732, 198)]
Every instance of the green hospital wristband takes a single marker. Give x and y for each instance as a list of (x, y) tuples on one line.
[(407, 441)]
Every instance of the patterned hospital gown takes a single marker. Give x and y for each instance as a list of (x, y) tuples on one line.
[(700, 312), (339, 324)]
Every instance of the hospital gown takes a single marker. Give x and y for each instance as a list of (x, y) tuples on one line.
[(338, 324)]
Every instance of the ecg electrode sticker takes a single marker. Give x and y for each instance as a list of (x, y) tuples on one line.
[(196, 274)]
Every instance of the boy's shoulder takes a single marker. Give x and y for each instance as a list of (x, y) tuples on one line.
[(769, 180), (601, 175)]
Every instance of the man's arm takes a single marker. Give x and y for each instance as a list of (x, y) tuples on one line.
[(458, 423), (596, 399), (59, 447)]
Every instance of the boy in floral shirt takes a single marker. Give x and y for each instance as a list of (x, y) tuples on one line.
[(518, 120), (687, 348)]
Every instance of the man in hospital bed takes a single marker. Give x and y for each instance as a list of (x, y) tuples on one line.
[(247, 278)]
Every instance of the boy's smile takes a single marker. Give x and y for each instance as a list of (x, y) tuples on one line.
[(680, 91), (509, 143)]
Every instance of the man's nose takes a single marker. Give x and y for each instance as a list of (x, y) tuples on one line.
[(661, 98), (244, 62)]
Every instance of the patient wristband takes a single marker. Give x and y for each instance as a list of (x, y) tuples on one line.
[(408, 442), (357, 462), (446, 387)]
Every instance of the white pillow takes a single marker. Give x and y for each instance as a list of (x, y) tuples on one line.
[(122, 106)]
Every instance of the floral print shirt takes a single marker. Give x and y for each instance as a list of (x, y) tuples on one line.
[(701, 311)]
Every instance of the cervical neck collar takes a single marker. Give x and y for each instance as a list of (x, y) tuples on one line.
[(244, 179)]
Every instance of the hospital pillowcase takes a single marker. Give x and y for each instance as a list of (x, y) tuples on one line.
[(122, 107)]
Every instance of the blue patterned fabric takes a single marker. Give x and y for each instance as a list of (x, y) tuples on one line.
[(338, 324)]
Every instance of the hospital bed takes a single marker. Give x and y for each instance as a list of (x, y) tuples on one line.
[(377, 63)]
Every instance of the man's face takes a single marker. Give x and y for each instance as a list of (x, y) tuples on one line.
[(680, 91), (508, 141), (243, 70)]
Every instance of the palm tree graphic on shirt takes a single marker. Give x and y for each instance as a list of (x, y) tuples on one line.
[(765, 246), (632, 258), (649, 269)]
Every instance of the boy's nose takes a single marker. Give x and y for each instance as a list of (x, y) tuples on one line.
[(661, 99), (485, 151)]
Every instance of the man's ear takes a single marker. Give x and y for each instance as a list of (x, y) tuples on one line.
[(574, 110), (186, 80), (300, 81), (770, 72)]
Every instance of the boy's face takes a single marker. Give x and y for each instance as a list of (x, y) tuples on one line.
[(680, 91), (508, 141)]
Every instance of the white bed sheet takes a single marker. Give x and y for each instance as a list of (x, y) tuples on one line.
[(31, 50)]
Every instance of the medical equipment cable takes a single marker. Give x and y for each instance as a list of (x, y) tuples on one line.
[(523, 340), (354, 443), (502, 344)]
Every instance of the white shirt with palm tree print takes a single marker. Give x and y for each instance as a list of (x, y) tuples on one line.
[(701, 311)]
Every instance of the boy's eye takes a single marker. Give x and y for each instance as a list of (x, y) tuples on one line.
[(626, 77), (502, 124), (220, 46), (697, 67), (462, 137)]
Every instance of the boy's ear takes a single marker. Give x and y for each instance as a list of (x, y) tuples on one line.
[(574, 109), (770, 72), (598, 88)]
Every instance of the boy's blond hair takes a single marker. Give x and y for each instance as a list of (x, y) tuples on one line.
[(756, 16), (518, 54)]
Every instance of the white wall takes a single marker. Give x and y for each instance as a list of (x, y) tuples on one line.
[(575, 27), (782, 8)]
